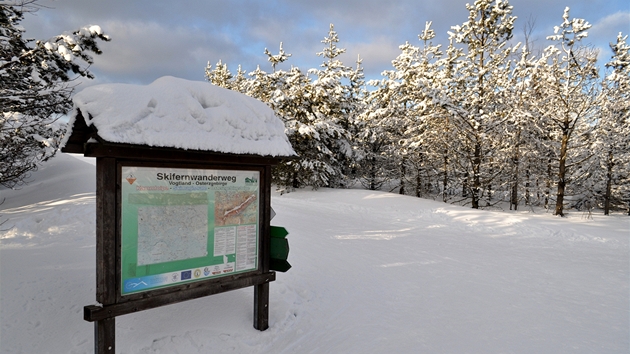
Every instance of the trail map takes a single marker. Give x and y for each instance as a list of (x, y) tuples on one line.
[(181, 225), (170, 233)]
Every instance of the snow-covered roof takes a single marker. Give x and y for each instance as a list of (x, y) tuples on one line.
[(178, 113)]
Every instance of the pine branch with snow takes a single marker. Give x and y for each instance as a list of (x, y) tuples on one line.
[(35, 89)]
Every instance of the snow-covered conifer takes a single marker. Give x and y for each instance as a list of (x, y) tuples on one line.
[(331, 105), (568, 91), (259, 85), (474, 95), (35, 89), (220, 75), (613, 135), (276, 59)]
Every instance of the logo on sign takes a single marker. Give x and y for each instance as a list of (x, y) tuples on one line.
[(131, 178), (206, 271), (197, 273), (187, 274)]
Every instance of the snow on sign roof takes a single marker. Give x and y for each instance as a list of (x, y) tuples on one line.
[(178, 113)]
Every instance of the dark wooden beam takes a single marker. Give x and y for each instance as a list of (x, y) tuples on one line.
[(96, 313), (147, 153)]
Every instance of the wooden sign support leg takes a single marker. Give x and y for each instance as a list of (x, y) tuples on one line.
[(261, 291), (106, 226), (261, 306), (105, 336)]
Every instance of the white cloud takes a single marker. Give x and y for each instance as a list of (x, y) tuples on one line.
[(148, 50), (377, 55), (606, 30)]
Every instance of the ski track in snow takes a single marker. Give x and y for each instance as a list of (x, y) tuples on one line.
[(373, 272)]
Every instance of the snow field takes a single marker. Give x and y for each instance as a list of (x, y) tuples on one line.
[(372, 272)]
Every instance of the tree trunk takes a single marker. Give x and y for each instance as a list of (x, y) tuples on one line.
[(516, 162), (562, 171), (548, 184), (609, 167), (423, 185), (476, 175), (465, 185), (403, 172), (445, 180), (295, 182), (514, 197), (527, 185), (418, 184)]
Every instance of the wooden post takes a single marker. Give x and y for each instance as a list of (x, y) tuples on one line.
[(261, 291), (106, 227), (261, 307), (105, 336)]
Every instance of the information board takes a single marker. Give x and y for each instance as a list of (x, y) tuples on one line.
[(184, 225)]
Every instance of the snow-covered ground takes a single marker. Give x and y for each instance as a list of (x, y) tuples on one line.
[(372, 273)]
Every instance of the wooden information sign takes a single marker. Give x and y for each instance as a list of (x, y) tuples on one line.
[(173, 225)]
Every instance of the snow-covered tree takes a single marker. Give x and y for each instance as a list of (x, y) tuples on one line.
[(394, 123), (613, 135), (276, 59), (259, 85), (568, 89), (523, 131), (220, 75), (475, 97), (331, 101), (311, 134), (376, 164), (35, 88), (426, 134), (442, 134), (356, 93)]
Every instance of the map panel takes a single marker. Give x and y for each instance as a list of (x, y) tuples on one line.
[(181, 225), (171, 233), (235, 208)]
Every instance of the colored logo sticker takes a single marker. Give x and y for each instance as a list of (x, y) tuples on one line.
[(131, 178), (187, 274), (197, 273)]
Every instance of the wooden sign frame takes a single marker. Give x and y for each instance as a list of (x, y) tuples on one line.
[(110, 158)]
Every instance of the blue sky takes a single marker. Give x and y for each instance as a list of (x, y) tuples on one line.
[(151, 39)]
